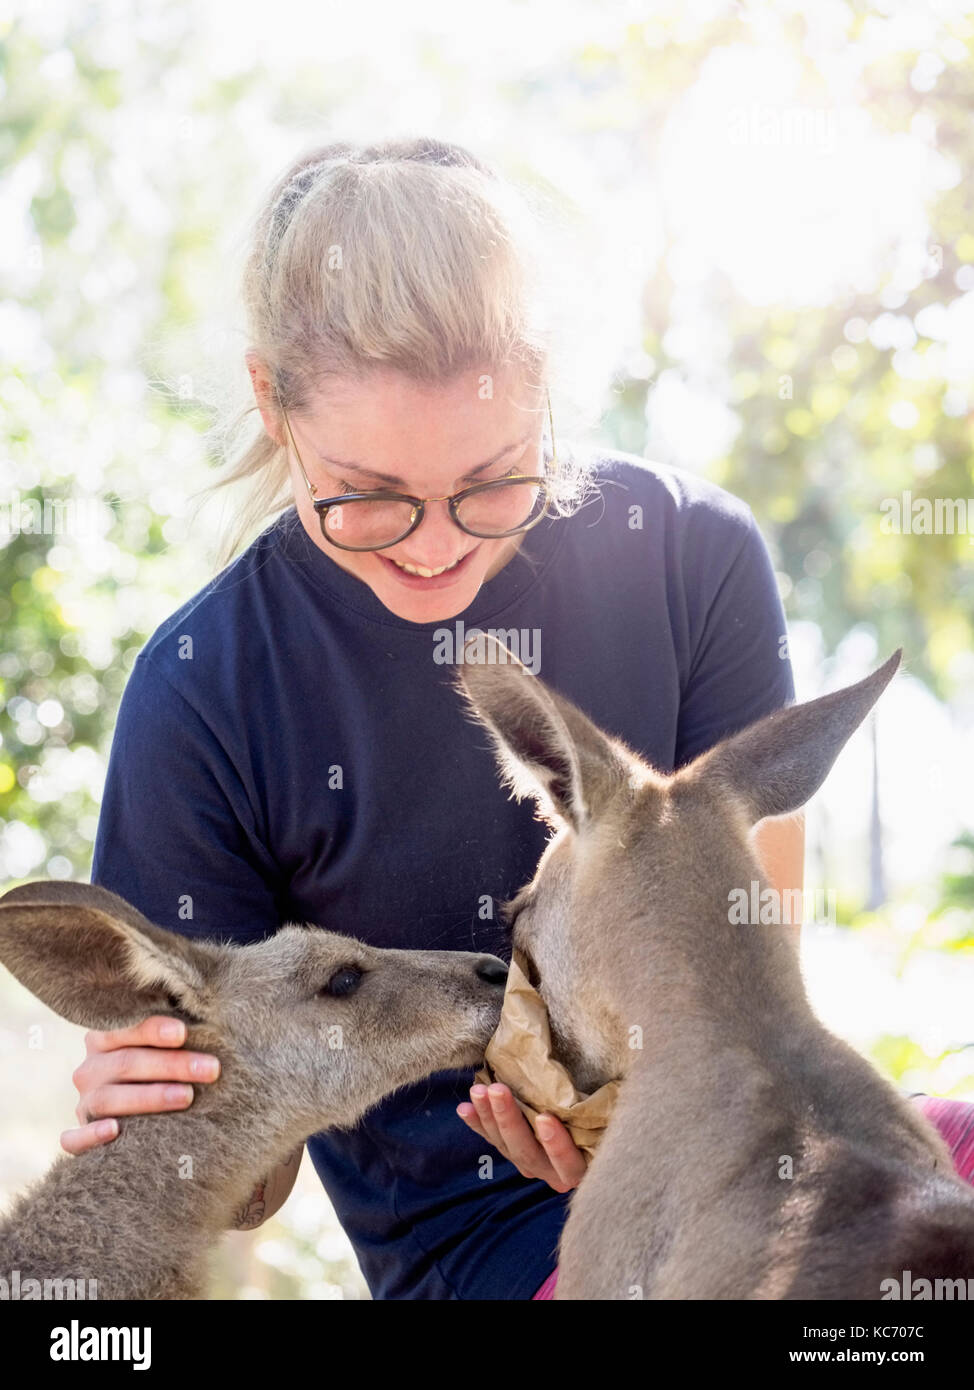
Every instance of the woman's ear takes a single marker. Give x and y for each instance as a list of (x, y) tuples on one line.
[(264, 395)]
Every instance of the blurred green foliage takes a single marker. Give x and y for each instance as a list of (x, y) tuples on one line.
[(123, 154), (111, 267)]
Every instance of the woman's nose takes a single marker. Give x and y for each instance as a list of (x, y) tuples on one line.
[(437, 539)]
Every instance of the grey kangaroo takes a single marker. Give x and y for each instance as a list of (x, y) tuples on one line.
[(751, 1153), (312, 1029)]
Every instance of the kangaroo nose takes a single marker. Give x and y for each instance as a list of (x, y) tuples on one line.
[(491, 970)]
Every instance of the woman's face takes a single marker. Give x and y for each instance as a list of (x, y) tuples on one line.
[(427, 441)]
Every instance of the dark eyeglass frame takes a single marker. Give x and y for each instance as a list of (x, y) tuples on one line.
[(323, 505)]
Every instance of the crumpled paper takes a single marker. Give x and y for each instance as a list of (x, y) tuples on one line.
[(519, 1055)]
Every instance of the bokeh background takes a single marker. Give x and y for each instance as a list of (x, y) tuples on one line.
[(764, 215)]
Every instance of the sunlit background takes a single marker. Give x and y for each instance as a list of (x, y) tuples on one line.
[(762, 219)]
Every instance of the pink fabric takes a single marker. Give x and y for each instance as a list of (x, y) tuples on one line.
[(547, 1289), (954, 1119)]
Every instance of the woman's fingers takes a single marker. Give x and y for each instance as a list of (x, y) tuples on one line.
[(480, 1117), (105, 1101), (98, 1108), (497, 1118), (116, 1061), (516, 1139), (563, 1153), (155, 1031), (485, 1116), (78, 1141), (145, 1064), (469, 1116), (517, 1135)]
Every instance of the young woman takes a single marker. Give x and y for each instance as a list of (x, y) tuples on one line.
[(290, 744)]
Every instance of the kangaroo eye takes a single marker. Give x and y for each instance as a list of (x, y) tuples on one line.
[(343, 982)]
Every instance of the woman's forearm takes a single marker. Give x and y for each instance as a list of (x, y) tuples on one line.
[(269, 1195), (780, 846)]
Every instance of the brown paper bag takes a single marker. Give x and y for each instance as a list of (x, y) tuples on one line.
[(519, 1055)]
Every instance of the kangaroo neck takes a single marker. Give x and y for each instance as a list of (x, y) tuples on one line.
[(203, 1161), (699, 977)]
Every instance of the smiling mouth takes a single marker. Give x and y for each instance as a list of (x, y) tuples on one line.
[(422, 570), (421, 578)]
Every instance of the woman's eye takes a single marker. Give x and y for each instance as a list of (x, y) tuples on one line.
[(508, 473), (345, 488)]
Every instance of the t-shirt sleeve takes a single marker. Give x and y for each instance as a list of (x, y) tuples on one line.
[(176, 836), (740, 669)]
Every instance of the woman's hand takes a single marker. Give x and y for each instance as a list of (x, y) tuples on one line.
[(495, 1116), (149, 1054)]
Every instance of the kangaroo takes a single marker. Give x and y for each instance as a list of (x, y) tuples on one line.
[(751, 1154), (312, 1029)]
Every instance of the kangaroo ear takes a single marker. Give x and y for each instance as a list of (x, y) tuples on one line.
[(95, 960), (546, 747), (777, 764)]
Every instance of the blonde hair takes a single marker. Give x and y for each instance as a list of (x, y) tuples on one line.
[(410, 255)]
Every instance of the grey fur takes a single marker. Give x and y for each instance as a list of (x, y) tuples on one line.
[(626, 924), (127, 1214)]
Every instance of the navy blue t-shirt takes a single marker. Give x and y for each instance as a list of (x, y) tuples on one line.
[(287, 749)]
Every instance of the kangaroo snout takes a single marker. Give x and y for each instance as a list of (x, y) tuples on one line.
[(489, 974), (492, 971), (312, 1029), (440, 1007)]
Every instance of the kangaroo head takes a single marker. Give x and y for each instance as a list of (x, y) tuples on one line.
[(327, 1023), (634, 850)]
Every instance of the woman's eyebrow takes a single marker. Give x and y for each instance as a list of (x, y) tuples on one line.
[(348, 466)]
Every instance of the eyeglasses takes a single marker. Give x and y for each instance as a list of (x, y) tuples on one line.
[(379, 518)]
